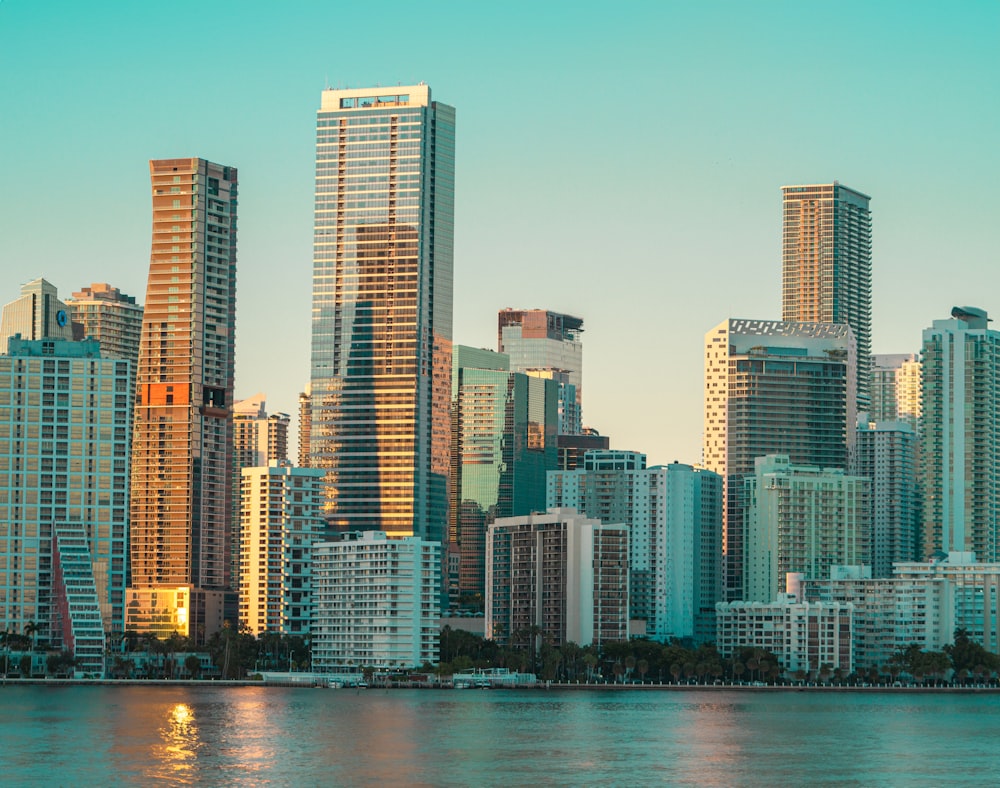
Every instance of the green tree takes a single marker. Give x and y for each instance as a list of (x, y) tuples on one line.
[(192, 665), (24, 665)]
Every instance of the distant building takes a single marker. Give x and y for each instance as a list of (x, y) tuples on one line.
[(894, 388), (111, 317), (64, 462), (559, 574), (806, 637), (961, 436), (503, 442), (572, 448), (674, 517), (885, 453), (801, 519), (280, 520), (922, 603), (546, 343), (826, 271), (258, 438), (36, 314), (774, 388), (375, 602), (305, 427)]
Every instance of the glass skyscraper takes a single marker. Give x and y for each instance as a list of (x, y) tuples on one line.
[(382, 308), (503, 442), (826, 264)]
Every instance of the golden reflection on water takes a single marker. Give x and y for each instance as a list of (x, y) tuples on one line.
[(180, 742)]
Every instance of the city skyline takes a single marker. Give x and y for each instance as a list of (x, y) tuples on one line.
[(693, 136)]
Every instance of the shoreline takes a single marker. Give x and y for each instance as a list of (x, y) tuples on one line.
[(543, 686)]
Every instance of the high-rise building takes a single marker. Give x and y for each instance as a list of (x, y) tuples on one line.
[(258, 439), (110, 316), (305, 426), (375, 602), (827, 264), (36, 314), (382, 308), (558, 574), (885, 453), (77, 622), (960, 453), (774, 388), (894, 388), (801, 519), (280, 520), (182, 441), (64, 462), (545, 343), (674, 517), (503, 442)]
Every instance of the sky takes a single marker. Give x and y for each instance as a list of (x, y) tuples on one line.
[(621, 162)]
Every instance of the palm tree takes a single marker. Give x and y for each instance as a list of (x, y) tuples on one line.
[(30, 630), (643, 667)]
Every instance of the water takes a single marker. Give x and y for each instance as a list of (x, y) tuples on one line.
[(269, 736)]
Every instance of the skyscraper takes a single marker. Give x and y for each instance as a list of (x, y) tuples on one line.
[(961, 436), (182, 439), (895, 388), (774, 388), (503, 442), (382, 308), (547, 344), (827, 264)]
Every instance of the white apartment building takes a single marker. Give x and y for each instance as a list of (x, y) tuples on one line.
[(376, 602), (804, 636)]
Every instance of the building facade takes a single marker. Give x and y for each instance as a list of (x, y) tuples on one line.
[(382, 308), (674, 517), (827, 264), (64, 462), (774, 388), (36, 314), (808, 638), (559, 574), (280, 519), (182, 474), (801, 519), (375, 602), (503, 443), (545, 343), (110, 316), (895, 388), (960, 451), (885, 453)]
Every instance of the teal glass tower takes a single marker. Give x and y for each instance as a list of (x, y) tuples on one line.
[(504, 440), (382, 309)]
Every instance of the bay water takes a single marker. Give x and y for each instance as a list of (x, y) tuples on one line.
[(217, 735)]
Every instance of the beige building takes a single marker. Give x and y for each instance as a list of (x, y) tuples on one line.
[(280, 519), (559, 572), (36, 314)]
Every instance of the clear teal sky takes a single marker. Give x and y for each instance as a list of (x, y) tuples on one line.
[(618, 161)]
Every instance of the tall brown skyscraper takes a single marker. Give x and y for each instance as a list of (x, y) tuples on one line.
[(826, 264), (182, 439)]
